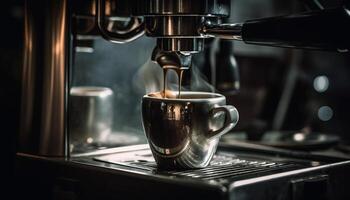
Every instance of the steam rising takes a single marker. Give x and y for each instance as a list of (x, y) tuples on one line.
[(149, 79), (199, 81)]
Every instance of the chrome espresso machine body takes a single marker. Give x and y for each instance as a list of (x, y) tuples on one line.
[(55, 30)]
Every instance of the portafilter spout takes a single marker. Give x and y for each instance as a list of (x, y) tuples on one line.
[(176, 59)]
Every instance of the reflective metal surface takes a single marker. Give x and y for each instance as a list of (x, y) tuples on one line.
[(191, 45), (44, 78), (181, 7), (117, 17), (157, 7), (223, 31), (170, 58), (174, 26), (184, 133), (177, 20), (135, 30), (90, 116), (176, 33)]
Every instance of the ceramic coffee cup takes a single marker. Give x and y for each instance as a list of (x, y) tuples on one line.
[(184, 133)]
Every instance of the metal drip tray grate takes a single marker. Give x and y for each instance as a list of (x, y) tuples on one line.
[(222, 165)]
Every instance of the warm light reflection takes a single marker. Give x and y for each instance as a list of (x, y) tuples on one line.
[(170, 26), (89, 140), (174, 112), (108, 9), (299, 137)]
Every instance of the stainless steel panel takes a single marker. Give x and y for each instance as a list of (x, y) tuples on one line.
[(44, 76)]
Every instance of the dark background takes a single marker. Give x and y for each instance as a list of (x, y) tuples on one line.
[(11, 15)]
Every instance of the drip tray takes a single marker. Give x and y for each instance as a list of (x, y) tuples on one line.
[(224, 165)]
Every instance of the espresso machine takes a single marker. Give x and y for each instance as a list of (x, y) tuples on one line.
[(177, 31)]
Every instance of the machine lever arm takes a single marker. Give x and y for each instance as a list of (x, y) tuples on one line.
[(320, 30)]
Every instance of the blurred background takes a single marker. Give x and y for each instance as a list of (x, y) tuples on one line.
[(280, 89)]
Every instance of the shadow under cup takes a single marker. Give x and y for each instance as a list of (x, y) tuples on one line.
[(184, 133)]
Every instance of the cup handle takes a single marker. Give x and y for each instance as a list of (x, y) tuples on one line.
[(231, 119)]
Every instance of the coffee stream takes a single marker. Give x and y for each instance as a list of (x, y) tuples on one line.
[(179, 73)]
